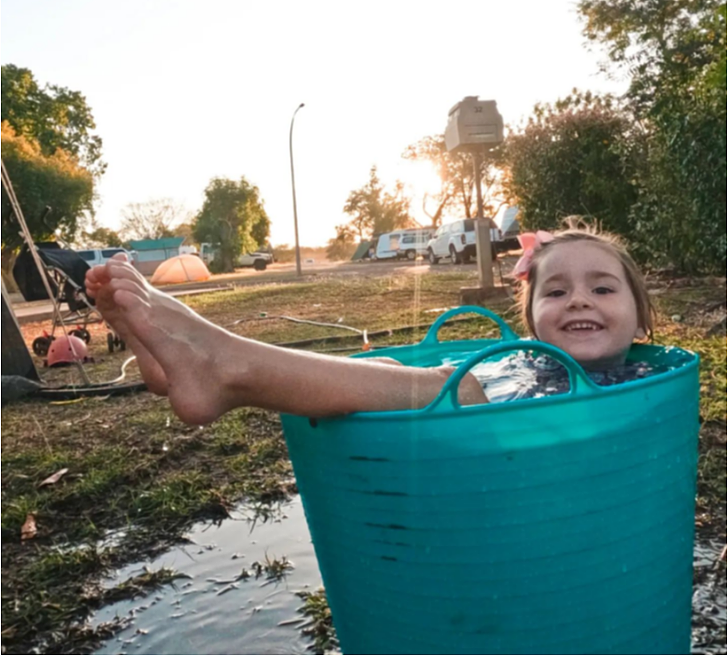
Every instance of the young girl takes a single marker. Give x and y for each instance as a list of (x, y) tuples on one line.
[(582, 293)]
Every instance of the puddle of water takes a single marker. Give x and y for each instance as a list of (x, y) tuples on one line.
[(208, 615)]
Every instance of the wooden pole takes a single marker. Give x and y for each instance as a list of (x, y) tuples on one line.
[(482, 230)]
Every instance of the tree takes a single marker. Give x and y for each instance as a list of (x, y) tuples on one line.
[(342, 246), (185, 230), (457, 175), (55, 117), (100, 237), (232, 219), (260, 231), (40, 181), (151, 220), (573, 157), (376, 210), (675, 54)]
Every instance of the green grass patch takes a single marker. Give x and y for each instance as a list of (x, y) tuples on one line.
[(320, 627)]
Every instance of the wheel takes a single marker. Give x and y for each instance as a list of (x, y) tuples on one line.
[(41, 345), (122, 345), (81, 333), (455, 256), (411, 255), (260, 265), (431, 257), (110, 342)]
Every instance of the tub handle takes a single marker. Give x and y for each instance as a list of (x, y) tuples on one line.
[(507, 332), (579, 383)]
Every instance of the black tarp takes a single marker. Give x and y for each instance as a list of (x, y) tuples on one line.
[(28, 277), (16, 359)]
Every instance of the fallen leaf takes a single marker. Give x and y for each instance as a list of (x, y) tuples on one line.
[(29, 529), (53, 478)]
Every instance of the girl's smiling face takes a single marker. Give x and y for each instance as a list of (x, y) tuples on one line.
[(583, 304)]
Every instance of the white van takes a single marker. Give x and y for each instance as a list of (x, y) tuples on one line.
[(100, 256), (397, 243), (414, 244)]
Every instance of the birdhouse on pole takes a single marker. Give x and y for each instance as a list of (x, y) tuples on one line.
[(473, 125)]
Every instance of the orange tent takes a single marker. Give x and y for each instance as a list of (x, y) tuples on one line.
[(181, 269)]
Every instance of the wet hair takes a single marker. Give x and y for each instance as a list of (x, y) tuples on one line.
[(577, 230)]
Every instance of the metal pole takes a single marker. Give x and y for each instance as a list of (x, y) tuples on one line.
[(293, 186)]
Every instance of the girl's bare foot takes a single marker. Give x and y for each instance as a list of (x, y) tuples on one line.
[(189, 351), (97, 280)]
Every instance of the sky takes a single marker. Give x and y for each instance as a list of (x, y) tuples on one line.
[(183, 91)]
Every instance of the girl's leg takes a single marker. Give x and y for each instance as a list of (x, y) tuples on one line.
[(209, 371)]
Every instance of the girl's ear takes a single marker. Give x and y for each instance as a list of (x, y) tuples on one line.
[(640, 334)]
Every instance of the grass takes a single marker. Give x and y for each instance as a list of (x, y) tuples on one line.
[(320, 627), (137, 473)]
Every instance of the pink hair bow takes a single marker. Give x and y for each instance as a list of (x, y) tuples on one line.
[(530, 243)]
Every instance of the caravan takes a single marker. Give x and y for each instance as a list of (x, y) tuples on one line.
[(406, 243)]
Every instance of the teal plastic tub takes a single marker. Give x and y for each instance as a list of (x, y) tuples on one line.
[(558, 525)]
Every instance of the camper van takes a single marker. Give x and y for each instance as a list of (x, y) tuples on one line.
[(406, 243), (413, 245)]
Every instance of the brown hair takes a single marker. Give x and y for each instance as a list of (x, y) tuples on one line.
[(578, 230)]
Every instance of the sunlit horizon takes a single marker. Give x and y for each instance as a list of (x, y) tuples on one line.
[(185, 92)]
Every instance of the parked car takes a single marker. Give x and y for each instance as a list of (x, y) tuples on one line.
[(100, 256), (456, 240), (258, 260)]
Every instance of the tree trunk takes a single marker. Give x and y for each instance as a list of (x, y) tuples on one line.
[(9, 256), (227, 263)]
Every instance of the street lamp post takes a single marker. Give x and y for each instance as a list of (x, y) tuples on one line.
[(293, 186)]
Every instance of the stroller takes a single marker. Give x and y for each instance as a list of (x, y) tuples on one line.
[(66, 273)]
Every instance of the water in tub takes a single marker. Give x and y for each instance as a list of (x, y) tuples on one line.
[(520, 375)]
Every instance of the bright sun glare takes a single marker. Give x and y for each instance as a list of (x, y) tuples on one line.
[(420, 179)]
